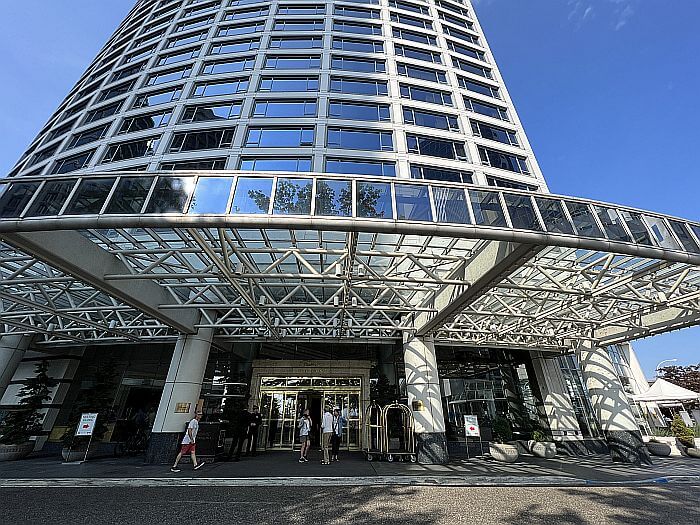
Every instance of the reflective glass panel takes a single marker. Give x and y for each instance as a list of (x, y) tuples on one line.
[(14, 200), (451, 205), (636, 226), (252, 195), (487, 208), (522, 213), (170, 195), (334, 197), (684, 236), (298, 164), (90, 196), (612, 224), (293, 197), (413, 202), (583, 218), (51, 199), (211, 195), (130, 195), (374, 200), (552, 212), (661, 232)]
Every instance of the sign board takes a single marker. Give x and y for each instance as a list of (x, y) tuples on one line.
[(182, 408), (87, 425), (471, 426)]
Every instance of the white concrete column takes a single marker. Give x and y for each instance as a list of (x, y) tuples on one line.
[(610, 405), (558, 409), (182, 388), (12, 350), (425, 399)]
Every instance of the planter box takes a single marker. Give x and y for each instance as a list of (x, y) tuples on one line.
[(503, 452), (659, 449), (543, 449), (693, 452), (15, 452)]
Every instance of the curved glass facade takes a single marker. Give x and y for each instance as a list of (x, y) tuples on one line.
[(405, 89)]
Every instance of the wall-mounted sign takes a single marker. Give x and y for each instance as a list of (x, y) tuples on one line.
[(471, 426), (182, 408), (418, 405), (87, 425)]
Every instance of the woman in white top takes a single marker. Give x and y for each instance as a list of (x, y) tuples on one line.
[(304, 431)]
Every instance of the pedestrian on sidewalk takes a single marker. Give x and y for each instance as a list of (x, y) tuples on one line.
[(188, 444), (241, 433), (304, 437), (254, 424), (327, 432), (337, 436)]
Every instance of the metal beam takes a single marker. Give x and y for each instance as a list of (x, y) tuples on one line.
[(483, 270), (650, 323), (75, 255)]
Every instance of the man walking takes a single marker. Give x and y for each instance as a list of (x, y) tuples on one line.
[(254, 423), (337, 435), (188, 444), (327, 433)]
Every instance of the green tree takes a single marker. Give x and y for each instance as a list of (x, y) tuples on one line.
[(26, 421), (685, 376), (381, 391), (681, 431)]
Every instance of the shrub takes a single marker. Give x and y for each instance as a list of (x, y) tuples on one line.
[(684, 434), (538, 435), (502, 431)]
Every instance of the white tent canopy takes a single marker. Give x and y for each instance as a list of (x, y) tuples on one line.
[(663, 391)]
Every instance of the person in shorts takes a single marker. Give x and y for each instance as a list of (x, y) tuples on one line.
[(188, 444), (304, 438)]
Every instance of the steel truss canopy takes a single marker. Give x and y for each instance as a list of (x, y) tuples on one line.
[(120, 257)]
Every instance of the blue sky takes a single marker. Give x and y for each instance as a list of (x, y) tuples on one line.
[(607, 91)]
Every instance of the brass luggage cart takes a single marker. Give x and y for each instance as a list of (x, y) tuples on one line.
[(374, 437), (398, 440)]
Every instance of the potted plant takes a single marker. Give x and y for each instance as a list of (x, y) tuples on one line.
[(685, 436), (500, 450), (541, 446), (26, 421), (658, 448)]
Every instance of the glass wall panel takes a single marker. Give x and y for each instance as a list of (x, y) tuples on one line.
[(584, 221), (661, 232), (636, 226), (293, 197), (451, 205), (522, 213), (413, 202), (684, 236), (170, 195), (130, 195), (298, 164), (211, 195), (51, 199), (487, 208), (90, 197), (334, 197), (552, 212), (252, 195), (612, 224), (374, 200), (14, 200)]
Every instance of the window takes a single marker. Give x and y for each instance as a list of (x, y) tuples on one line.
[(241, 29), (513, 185), (522, 212), (360, 167), (235, 47), (432, 147), (188, 39), (158, 97), (374, 200), (553, 216), (179, 57), (192, 24), (360, 46), (292, 62), (213, 89), (252, 195), (127, 72), (115, 91), (456, 20), (426, 95), (88, 136), (471, 68), (358, 87), (406, 6), (169, 76), (16, 198), (344, 109), (478, 87), (486, 131), (195, 165), (298, 25), (292, 197), (442, 174), (456, 33), (487, 208), (103, 112), (288, 84), (228, 66), (417, 54), (583, 219), (242, 14), (334, 198), (421, 38), (138, 55), (421, 73), (296, 164), (314, 42), (413, 202), (411, 21), (90, 197), (211, 195), (357, 64), (284, 108), (430, 120), (504, 161), (484, 108), (142, 122), (211, 112), (279, 137), (73, 163), (355, 12), (131, 150), (210, 6), (450, 205), (199, 140), (360, 139), (170, 195), (51, 199), (301, 10), (454, 8), (60, 131), (43, 154), (343, 26), (130, 195), (468, 51)]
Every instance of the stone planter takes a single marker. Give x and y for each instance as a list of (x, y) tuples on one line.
[(76, 454), (503, 452), (14, 452), (659, 449), (693, 452), (543, 449)]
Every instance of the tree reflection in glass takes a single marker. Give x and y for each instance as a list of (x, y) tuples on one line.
[(252, 195), (293, 197), (374, 200), (334, 198)]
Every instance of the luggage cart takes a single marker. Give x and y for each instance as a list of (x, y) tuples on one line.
[(374, 437), (398, 442)]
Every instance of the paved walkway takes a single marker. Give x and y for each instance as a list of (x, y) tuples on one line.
[(282, 468)]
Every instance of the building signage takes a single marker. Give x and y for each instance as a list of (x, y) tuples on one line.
[(182, 408), (471, 426), (87, 425)]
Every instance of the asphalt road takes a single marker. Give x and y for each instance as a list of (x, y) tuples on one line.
[(670, 504)]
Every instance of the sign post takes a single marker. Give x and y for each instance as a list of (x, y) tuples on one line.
[(86, 427), (471, 429)]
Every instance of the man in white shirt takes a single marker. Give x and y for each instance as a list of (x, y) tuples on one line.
[(327, 430), (188, 444)]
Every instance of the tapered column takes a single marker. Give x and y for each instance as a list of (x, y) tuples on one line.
[(611, 406), (424, 398), (178, 402), (12, 350)]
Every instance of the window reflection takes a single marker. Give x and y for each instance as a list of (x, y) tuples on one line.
[(90, 196), (584, 221), (293, 197), (522, 213), (14, 200), (211, 195), (685, 237), (334, 197), (130, 195), (374, 200), (636, 226), (170, 195), (661, 232), (252, 195), (553, 215), (51, 199), (413, 203), (487, 208), (451, 205), (612, 224)]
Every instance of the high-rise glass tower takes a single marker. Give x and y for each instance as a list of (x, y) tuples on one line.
[(400, 88)]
